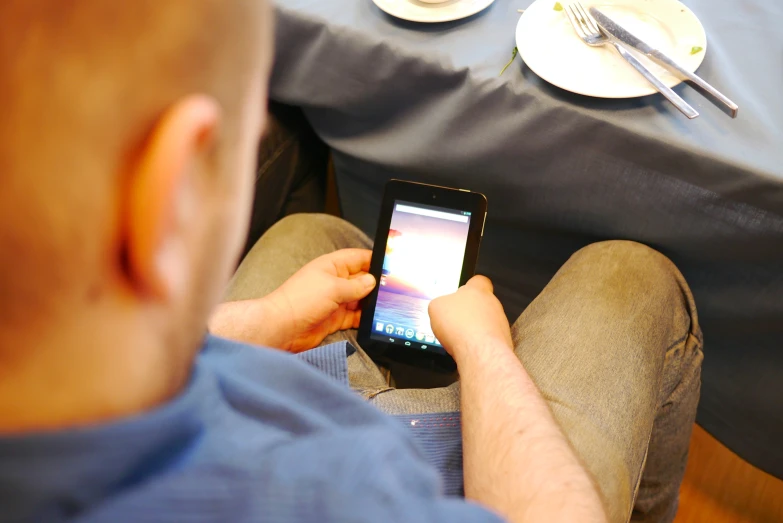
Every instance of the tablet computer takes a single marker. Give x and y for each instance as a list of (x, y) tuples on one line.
[(426, 246)]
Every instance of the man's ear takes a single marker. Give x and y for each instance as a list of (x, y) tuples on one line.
[(163, 196)]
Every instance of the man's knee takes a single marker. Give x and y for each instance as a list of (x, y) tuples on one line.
[(625, 256), (631, 271), (312, 223), (316, 228)]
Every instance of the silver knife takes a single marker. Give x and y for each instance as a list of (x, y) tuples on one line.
[(617, 32)]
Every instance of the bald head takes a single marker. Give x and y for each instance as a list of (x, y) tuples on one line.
[(83, 84), (128, 136)]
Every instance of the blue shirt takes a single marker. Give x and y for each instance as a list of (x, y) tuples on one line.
[(258, 435)]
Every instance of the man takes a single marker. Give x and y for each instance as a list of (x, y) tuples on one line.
[(127, 148)]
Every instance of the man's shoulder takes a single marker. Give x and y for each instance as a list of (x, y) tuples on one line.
[(281, 442), (264, 436), (324, 367), (359, 475)]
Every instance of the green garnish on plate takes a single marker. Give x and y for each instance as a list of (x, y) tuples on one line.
[(558, 6), (513, 55), (696, 49)]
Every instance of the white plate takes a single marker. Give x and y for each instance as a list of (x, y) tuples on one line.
[(550, 47), (447, 11)]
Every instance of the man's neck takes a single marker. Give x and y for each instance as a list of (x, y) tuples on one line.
[(76, 376)]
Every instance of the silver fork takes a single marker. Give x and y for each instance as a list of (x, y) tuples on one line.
[(591, 34)]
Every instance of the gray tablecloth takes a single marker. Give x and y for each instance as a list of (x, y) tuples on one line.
[(397, 99)]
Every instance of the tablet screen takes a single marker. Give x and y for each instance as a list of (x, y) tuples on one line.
[(423, 260)]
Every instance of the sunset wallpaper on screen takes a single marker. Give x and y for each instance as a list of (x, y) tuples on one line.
[(423, 261)]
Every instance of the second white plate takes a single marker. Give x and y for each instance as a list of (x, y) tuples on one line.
[(550, 47), (416, 11)]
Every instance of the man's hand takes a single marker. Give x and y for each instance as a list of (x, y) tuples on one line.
[(319, 299), (323, 297), (470, 318), (516, 459)]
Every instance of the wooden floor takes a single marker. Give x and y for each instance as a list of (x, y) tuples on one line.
[(720, 487)]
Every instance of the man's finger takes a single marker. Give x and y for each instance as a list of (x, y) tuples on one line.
[(352, 306), (482, 283), (354, 289), (350, 320)]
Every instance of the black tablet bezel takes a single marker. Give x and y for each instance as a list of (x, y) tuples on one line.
[(455, 199)]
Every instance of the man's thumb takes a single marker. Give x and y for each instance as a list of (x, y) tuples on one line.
[(481, 283)]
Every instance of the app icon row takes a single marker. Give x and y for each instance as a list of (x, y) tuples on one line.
[(391, 330)]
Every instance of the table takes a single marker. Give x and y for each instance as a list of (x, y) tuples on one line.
[(397, 99)]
